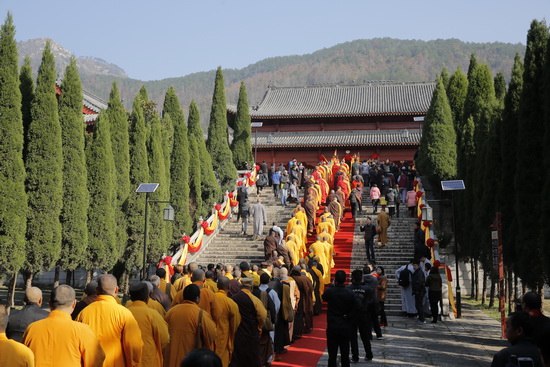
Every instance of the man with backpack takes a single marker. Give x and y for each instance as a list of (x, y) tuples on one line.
[(418, 290), (404, 276)]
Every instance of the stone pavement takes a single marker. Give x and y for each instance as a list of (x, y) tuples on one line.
[(469, 341)]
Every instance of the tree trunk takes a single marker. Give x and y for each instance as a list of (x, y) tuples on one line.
[(515, 287), (89, 274), (11, 290), (28, 279), (472, 280), (476, 280), (492, 293), (56, 276), (510, 289), (68, 278), (484, 288)]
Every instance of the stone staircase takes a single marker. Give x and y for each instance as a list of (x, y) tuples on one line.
[(396, 254), (228, 246)]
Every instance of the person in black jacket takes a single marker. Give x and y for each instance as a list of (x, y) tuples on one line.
[(20, 319), (370, 232), (419, 290), (361, 318), (342, 303)]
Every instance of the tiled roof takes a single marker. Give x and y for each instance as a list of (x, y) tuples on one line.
[(90, 118), (94, 103), (338, 139), (367, 99)]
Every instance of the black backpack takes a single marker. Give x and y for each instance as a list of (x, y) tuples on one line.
[(405, 277)]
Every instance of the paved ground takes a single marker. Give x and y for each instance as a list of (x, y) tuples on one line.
[(469, 341)]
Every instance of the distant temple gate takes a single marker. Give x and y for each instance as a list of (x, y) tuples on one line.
[(372, 119)]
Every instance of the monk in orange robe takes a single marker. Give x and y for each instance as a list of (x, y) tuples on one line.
[(12, 353), (227, 324), (207, 300)]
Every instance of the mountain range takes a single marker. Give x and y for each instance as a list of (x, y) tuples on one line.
[(349, 62)]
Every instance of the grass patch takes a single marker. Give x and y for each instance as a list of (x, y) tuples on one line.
[(492, 312)]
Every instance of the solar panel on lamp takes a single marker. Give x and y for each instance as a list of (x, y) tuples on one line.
[(147, 187), (452, 185)]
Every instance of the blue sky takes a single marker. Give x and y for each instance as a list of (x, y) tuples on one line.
[(170, 38)]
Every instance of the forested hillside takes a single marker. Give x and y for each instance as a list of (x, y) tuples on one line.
[(355, 61)]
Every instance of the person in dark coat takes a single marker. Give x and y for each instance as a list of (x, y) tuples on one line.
[(369, 230), (418, 290), (372, 302), (361, 318), (31, 312), (91, 296), (242, 195), (342, 304), (434, 283), (270, 244), (305, 304)]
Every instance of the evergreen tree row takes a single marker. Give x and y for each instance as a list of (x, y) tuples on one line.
[(67, 197), (502, 138)]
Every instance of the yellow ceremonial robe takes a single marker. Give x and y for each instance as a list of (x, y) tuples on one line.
[(58, 341), (117, 330), (181, 283), (152, 304), (293, 251), (320, 250), (154, 333), (14, 354), (302, 233), (301, 215), (290, 224), (207, 302), (210, 284), (163, 285), (183, 320), (226, 327)]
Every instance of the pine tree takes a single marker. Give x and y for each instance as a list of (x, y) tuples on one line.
[(195, 164), (74, 215), (103, 250), (210, 189), (157, 243), (218, 140), (530, 138), (179, 166), (139, 173), (13, 199), (118, 121), (26, 87), (44, 163), (508, 138), (437, 153), (241, 146), (456, 93)]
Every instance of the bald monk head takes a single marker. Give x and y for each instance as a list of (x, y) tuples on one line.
[(237, 274), (323, 219), (223, 283), (324, 230), (149, 285), (191, 267), (106, 284), (244, 266), (197, 275), (298, 222), (332, 191), (209, 274), (229, 268), (247, 283), (139, 292), (155, 280), (276, 273), (325, 239), (33, 295), (192, 293), (326, 209), (63, 298), (91, 288), (284, 273), (289, 238), (318, 238), (3, 318)]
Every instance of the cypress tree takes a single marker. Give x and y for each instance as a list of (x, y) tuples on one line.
[(157, 233), (456, 93), (118, 121), (530, 138), (508, 138), (13, 199), (437, 154), (218, 140), (241, 146), (103, 250), (472, 65), (210, 189), (166, 141), (480, 96), (44, 163), (545, 235), (179, 165), (500, 88), (27, 94), (74, 215), (444, 77), (195, 164), (139, 173)]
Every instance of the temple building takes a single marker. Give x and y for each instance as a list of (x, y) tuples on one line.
[(380, 120), (91, 106)]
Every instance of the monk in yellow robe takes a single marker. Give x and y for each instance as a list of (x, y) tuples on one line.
[(151, 303), (323, 253), (185, 280), (228, 271), (330, 249), (207, 300), (301, 232), (336, 210), (115, 326), (57, 340), (290, 224), (293, 250), (325, 226), (298, 240), (165, 286), (183, 321), (154, 330), (383, 222), (301, 215), (330, 220), (12, 353), (227, 324), (209, 282)]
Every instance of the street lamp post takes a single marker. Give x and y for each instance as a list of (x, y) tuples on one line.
[(148, 188)]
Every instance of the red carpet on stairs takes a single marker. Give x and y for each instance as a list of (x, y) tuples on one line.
[(307, 351)]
